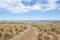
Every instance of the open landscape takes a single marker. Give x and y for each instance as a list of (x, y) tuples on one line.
[(30, 31), (29, 19)]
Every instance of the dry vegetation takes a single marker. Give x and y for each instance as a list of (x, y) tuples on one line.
[(47, 30)]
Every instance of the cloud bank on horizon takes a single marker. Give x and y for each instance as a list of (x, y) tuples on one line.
[(19, 6)]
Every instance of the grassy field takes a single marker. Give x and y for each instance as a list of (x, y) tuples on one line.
[(47, 30)]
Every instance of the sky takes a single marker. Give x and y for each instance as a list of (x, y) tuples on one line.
[(29, 9)]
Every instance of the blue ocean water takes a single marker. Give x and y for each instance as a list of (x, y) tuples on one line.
[(29, 20)]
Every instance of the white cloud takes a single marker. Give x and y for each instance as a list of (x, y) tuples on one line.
[(8, 5), (34, 7), (52, 4), (18, 7)]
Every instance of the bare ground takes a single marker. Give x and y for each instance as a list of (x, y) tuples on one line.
[(30, 33)]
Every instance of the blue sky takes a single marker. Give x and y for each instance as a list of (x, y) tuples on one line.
[(29, 9)]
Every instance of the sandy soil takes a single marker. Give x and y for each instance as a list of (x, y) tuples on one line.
[(29, 34), (30, 31)]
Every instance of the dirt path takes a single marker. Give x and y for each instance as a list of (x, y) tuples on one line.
[(29, 34)]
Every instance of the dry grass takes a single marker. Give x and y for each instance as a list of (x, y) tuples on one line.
[(47, 30)]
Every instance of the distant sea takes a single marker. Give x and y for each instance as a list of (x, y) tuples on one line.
[(29, 20)]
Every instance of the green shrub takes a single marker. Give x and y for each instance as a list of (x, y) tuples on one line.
[(53, 29)]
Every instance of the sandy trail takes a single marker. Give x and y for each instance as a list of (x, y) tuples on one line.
[(29, 34)]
